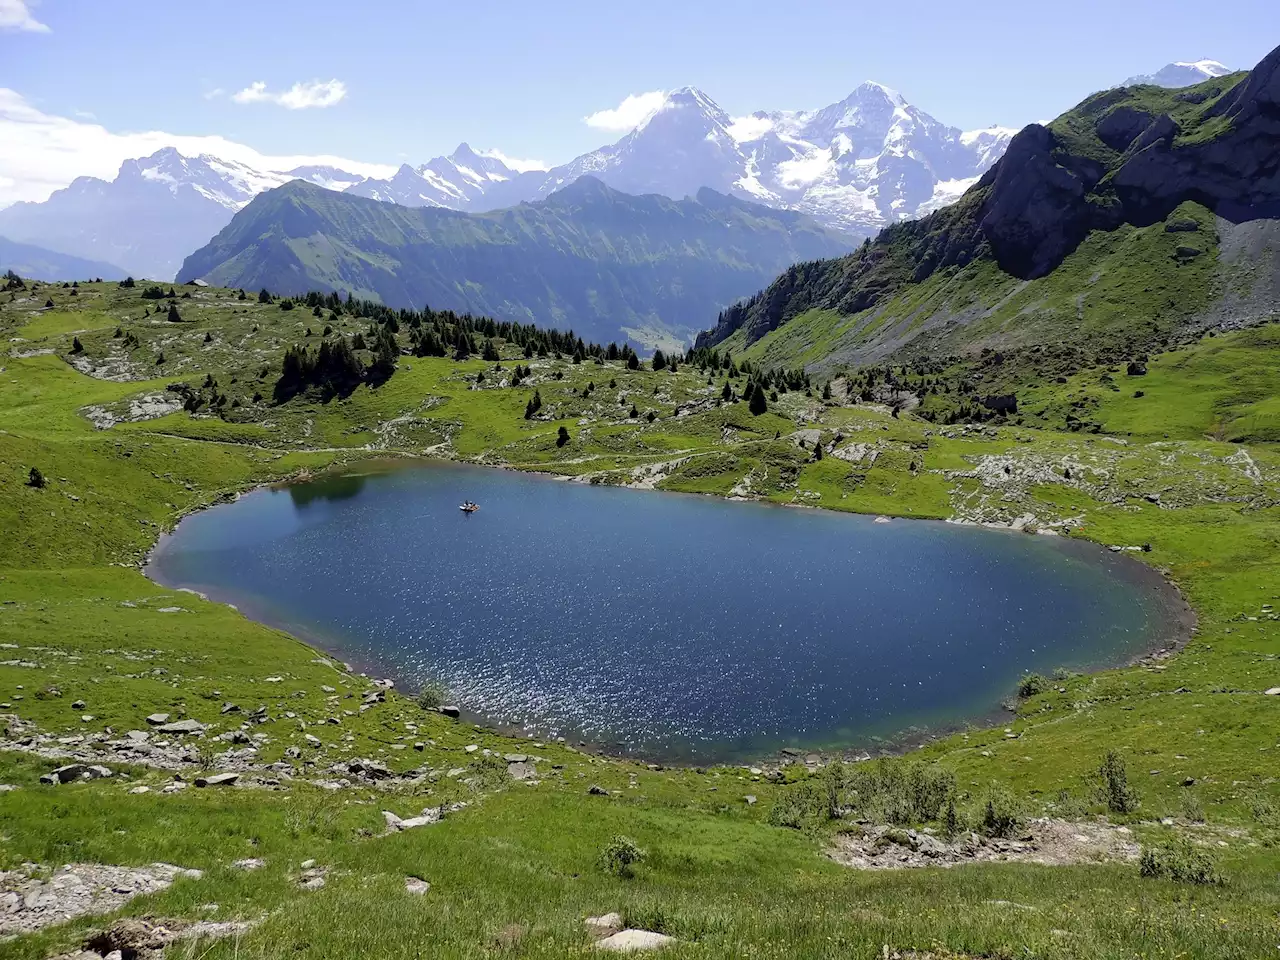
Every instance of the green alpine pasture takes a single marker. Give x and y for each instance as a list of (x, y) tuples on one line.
[(1188, 470)]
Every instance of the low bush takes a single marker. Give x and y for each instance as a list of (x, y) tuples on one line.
[(1181, 861), (1002, 814)]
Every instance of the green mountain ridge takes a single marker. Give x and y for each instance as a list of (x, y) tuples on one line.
[(606, 264), (1132, 222)]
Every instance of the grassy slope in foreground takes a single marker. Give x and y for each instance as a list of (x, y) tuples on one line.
[(517, 867)]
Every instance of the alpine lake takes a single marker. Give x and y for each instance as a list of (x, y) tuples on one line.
[(673, 627)]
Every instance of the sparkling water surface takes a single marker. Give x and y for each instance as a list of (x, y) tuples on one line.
[(677, 627)]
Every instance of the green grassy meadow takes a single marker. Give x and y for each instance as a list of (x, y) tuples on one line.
[(1190, 468)]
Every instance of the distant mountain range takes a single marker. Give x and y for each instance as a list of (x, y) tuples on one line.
[(857, 165), (155, 212), (609, 265), (36, 263)]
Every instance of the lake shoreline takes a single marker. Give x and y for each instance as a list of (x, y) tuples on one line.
[(1178, 619)]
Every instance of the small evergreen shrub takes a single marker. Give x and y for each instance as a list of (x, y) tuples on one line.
[(431, 697), (1002, 815), (1112, 784), (620, 855), (1031, 684)]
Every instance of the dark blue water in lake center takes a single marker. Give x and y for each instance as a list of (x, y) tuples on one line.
[(679, 627)]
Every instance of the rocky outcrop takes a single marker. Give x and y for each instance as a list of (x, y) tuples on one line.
[(1038, 208), (1121, 126)]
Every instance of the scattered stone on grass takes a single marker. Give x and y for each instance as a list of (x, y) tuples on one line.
[(180, 726), (217, 780), (634, 941), (312, 878), (146, 938), (31, 898), (603, 926), (429, 816), (523, 770), (416, 886), (1045, 841)]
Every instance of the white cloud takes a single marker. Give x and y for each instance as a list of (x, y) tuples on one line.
[(16, 15), (746, 129), (629, 114), (213, 94), (301, 96), (515, 163), (40, 153)]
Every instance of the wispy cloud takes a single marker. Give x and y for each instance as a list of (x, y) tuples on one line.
[(515, 163), (629, 114), (16, 15), (40, 152), (213, 94), (301, 96)]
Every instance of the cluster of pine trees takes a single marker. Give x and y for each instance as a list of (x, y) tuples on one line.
[(335, 368)]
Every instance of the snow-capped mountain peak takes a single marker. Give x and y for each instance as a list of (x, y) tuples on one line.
[(858, 164), (1181, 73)]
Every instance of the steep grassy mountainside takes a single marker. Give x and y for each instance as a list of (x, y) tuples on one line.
[(29, 261), (1141, 213), (606, 264)]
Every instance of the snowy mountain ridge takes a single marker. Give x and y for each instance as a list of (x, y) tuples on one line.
[(855, 165)]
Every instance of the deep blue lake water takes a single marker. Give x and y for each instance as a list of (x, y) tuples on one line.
[(678, 627)]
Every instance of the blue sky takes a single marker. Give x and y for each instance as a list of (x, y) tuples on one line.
[(408, 81)]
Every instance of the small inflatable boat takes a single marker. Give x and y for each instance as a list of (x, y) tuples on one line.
[(469, 507)]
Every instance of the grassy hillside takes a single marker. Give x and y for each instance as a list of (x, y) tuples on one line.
[(608, 265), (516, 870)]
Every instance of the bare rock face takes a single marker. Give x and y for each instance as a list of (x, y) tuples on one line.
[(1038, 209)]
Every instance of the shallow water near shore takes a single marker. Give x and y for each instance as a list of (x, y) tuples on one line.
[(681, 628)]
